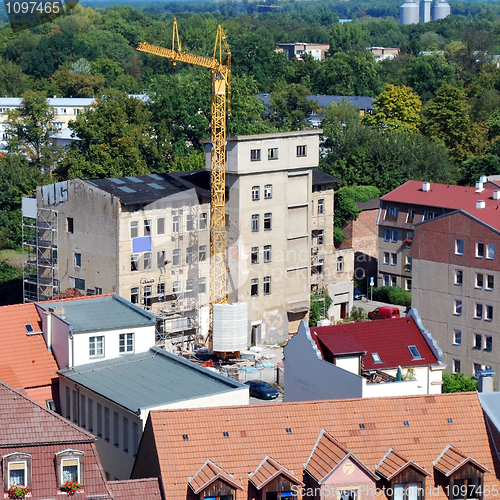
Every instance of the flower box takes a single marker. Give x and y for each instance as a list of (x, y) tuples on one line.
[(18, 491), (71, 487)]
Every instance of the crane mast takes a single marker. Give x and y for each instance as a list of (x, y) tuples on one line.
[(220, 66)]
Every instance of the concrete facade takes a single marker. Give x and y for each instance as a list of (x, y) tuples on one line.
[(456, 290), (154, 254)]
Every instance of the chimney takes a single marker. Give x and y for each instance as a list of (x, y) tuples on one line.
[(48, 329), (483, 179), (496, 194), (480, 204), (479, 187), (426, 186)]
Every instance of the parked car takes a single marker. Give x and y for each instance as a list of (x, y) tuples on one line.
[(261, 390), (385, 312), (357, 295)]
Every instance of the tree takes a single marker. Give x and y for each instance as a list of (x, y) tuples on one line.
[(458, 382), (348, 36), (115, 140), (290, 107), (446, 118), (320, 303), (397, 107), (29, 129)]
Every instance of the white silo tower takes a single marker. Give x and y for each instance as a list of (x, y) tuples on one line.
[(440, 9), (425, 11), (409, 12)]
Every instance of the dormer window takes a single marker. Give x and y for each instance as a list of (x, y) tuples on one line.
[(69, 465), (16, 470)]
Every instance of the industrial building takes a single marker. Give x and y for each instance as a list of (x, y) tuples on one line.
[(147, 239), (410, 13)]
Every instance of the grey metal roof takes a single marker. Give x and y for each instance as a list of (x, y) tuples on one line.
[(490, 403), (361, 102), (150, 379), (100, 313), (143, 189), (372, 204)]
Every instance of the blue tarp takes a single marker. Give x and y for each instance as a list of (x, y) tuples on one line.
[(141, 244)]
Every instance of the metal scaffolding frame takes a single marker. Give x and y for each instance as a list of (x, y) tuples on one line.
[(40, 262)]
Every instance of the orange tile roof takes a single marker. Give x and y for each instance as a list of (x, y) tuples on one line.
[(267, 470), (257, 431), (26, 363), (209, 473), (326, 456), (393, 463), (451, 459)]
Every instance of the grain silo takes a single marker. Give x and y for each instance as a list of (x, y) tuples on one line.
[(409, 12), (425, 11), (440, 9)]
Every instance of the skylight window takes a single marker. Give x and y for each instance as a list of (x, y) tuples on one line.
[(29, 328), (406, 423), (414, 352), (361, 426), (155, 186), (450, 421), (116, 181), (376, 357), (126, 189), (156, 177), (288, 430), (225, 434), (134, 179), (185, 437)]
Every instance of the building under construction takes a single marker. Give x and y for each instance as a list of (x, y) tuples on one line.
[(147, 239)]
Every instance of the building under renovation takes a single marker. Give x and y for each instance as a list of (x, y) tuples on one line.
[(147, 238)]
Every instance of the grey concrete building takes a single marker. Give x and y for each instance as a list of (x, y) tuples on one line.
[(455, 284), (147, 239)]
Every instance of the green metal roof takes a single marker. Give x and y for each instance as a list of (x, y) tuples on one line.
[(151, 379), (91, 314)]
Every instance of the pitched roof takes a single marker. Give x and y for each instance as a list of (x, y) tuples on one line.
[(136, 489), (452, 459), (259, 431), (269, 469), (327, 455), (24, 422), (101, 312), (389, 338), (393, 463), (449, 197), (208, 474), (149, 379), (26, 362)]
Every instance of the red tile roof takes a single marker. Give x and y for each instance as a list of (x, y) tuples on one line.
[(28, 427), (208, 474), (341, 344), (25, 422), (452, 459), (269, 469), (451, 198), (393, 463), (258, 431), (136, 489), (389, 338), (26, 363)]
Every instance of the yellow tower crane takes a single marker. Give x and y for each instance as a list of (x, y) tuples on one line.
[(220, 65)]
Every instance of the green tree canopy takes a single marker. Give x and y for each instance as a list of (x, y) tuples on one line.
[(397, 107), (458, 382), (114, 140), (348, 36)]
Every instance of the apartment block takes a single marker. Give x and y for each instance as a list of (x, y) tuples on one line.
[(455, 285)]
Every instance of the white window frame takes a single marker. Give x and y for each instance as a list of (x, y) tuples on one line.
[(176, 224), (301, 151), (457, 307), (202, 223), (255, 223), (479, 255), (459, 247), (395, 236), (321, 206), (490, 251), (267, 253), (134, 229), (126, 343), (255, 155), (94, 339), (272, 153), (72, 456), (202, 253), (148, 227), (190, 222), (255, 193), (267, 285), (457, 337), (268, 191), (387, 235)]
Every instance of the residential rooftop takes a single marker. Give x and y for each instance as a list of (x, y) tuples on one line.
[(418, 428), (26, 363), (105, 312), (391, 339), (147, 380), (450, 197)]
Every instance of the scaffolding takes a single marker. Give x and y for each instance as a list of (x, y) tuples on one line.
[(177, 307), (319, 256), (40, 269)]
